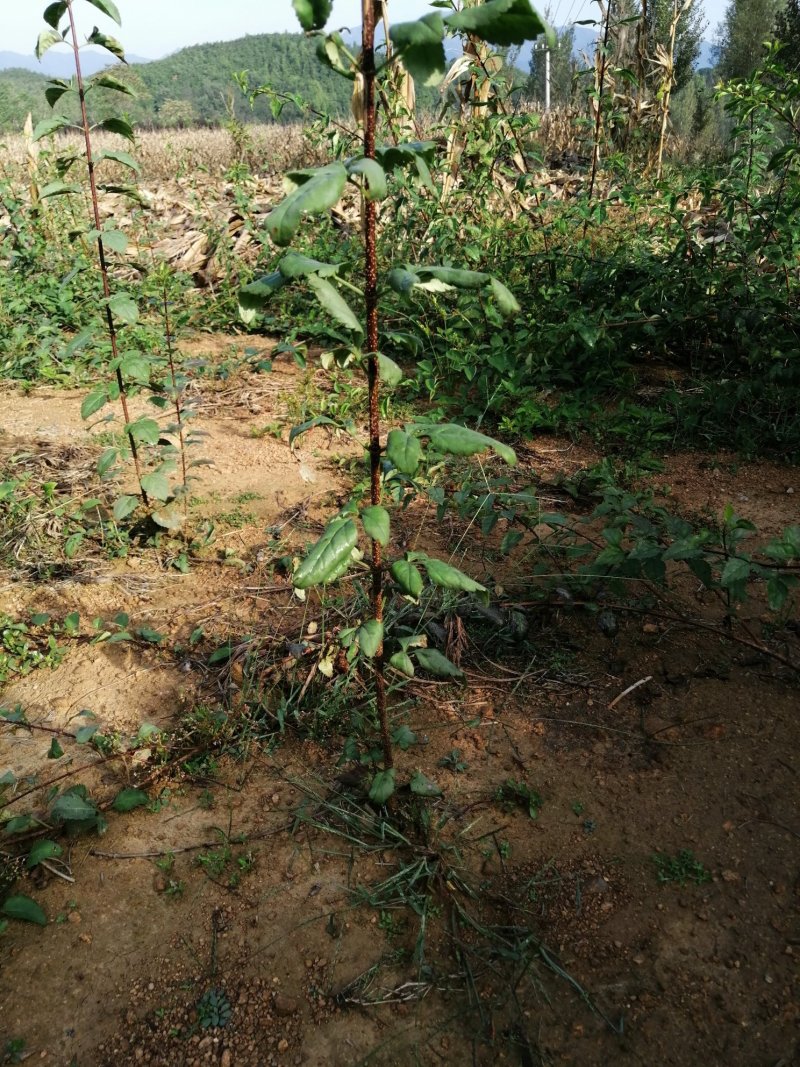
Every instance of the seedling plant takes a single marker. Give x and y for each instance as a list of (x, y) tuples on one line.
[(418, 51)]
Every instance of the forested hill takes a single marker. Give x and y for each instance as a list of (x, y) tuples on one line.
[(196, 84)]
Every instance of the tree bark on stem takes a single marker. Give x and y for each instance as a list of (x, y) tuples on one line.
[(369, 19)]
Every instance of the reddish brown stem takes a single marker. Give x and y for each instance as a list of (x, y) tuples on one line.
[(101, 252), (371, 304)]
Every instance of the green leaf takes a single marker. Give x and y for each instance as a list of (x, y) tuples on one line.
[(401, 661), (114, 241), (375, 187), (42, 850), (108, 7), (777, 592), (55, 90), (24, 909), (124, 308), (146, 431), (383, 785), (370, 637), (313, 14), (112, 45), (47, 127), (404, 737), (503, 22), (97, 399), (135, 368), (375, 520), (172, 517), (447, 577), (295, 265), (421, 47), (107, 461), (403, 451), (254, 296), (107, 81), (129, 799), (85, 734), (318, 420), (334, 53), (461, 441), (156, 486), (407, 577), (19, 824), (124, 506), (432, 661), (424, 787), (72, 807), (388, 371), (317, 191), (72, 544), (46, 40), (736, 570), (147, 633), (58, 189), (54, 13), (334, 303), (504, 298), (329, 557), (123, 129)]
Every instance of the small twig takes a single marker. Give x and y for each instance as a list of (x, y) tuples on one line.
[(630, 689), (55, 871), (185, 848)]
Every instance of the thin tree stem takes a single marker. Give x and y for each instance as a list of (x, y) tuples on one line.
[(371, 304), (101, 252)]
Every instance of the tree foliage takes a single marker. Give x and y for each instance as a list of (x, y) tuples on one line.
[(741, 36)]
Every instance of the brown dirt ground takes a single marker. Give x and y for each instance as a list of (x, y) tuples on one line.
[(567, 950)]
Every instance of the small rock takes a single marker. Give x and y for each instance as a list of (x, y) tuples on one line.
[(285, 1005), (226, 1059), (650, 628), (283, 1045), (74, 917), (729, 876), (159, 883)]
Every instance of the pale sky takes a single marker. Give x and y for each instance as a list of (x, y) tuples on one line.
[(153, 28)]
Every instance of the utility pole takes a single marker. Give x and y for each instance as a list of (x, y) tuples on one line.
[(544, 47)]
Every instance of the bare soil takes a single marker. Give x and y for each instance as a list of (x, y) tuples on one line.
[(548, 940)]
